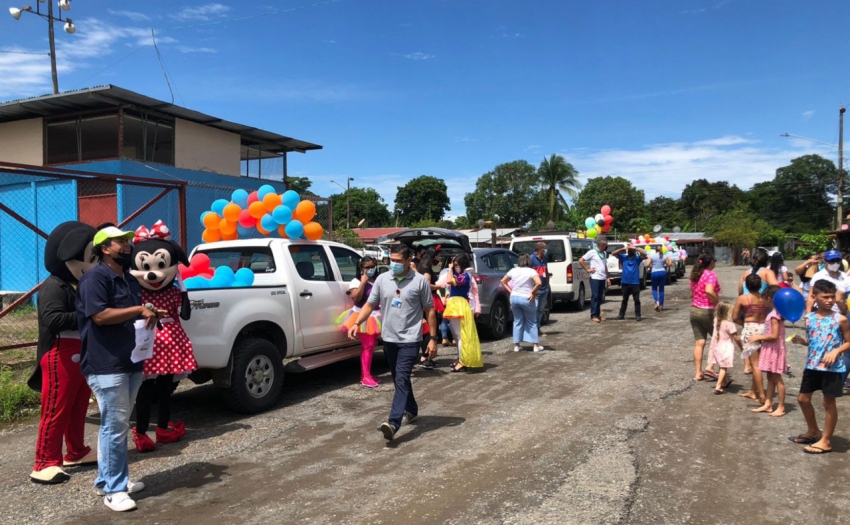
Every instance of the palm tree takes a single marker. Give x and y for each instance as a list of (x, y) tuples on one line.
[(556, 175)]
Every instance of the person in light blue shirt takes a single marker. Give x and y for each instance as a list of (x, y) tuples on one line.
[(660, 266)]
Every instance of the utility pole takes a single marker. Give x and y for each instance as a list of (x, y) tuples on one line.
[(348, 205), (70, 28), (52, 48), (841, 111)]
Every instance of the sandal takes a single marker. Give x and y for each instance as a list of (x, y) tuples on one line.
[(710, 373), (726, 384), (461, 369), (811, 449), (803, 440), (718, 391)]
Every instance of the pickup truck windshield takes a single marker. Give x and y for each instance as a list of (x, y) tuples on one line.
[(258, 259)]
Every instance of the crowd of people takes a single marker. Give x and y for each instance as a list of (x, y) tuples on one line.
[(756, 328)]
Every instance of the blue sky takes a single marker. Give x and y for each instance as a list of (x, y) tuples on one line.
[(658, 91)]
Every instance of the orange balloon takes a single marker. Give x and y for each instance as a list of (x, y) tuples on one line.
[(304, 212), (259, 226), (231, 212), (229, 236), (211, 221), (211, 235), (226, 227), (257, 209), (281, 230), (272, 201), (313, 231)]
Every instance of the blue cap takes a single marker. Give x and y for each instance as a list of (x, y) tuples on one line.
[(832, 255)]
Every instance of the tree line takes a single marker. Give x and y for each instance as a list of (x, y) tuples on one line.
[(798, 200)]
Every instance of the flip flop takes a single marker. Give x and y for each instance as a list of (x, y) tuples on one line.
[(710, 373), (803, 440), (726, 385), (717, 392), (819, 450)]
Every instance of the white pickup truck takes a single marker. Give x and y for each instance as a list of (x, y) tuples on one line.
[(241, 336)]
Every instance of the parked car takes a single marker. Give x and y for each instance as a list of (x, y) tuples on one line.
[(489, 266), (241, 335), (377, 251), (568, 281), (615, 267)]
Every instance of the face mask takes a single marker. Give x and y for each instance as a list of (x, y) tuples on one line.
[(833, 267), (397, 267), (371, 272), (545, 252), (123, 259)]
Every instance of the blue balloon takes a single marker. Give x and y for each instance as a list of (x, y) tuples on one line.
[(244, 276), (282, 215), (195, 283), (218, 206), (240, 198), (243, 231), (225, 275), (202, 218), (291, 199), (294, 230), (264, 190), (589, 223), (268, 223), (790, 304)]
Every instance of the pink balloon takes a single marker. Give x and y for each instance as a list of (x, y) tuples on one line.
[(606, 210), (253, 197), (246, 220)]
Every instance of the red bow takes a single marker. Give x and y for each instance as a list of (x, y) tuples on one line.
[(158, 231)]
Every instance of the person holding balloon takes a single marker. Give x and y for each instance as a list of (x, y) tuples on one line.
[(772, 355)]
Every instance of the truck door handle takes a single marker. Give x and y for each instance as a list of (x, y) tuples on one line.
[(306, 293)]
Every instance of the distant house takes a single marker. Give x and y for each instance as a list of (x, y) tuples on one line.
[(375, 235)]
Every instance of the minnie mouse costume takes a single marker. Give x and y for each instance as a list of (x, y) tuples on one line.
[(155, 260)]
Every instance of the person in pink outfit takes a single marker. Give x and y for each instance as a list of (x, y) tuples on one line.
[(772, 358), (359, 289), (723, 341)]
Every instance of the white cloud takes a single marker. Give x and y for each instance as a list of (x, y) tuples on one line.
[(665, 169), (132, 15), (202, 13), (187, 49), (329, 41), (808, 114), (419, 56), (465, 139)]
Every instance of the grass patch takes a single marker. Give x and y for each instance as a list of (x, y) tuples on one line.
[(16, 398), (19, 326)]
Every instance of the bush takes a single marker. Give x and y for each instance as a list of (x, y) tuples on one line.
[(16, 398)]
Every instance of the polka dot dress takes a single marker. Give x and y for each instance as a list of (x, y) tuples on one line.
[(172, 350)]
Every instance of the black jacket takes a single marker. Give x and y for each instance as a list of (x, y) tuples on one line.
[(56, 312)]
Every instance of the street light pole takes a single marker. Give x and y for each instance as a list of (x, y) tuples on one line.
[(840, 189), (70, 28), (53, 74), (348, 205)]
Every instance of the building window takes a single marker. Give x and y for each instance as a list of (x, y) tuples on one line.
[(148, 139), (82, 138), (258, 162)]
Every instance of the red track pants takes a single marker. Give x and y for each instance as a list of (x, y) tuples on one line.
[(64, 403)]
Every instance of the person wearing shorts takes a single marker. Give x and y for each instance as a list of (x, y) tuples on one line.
[(705, 290)]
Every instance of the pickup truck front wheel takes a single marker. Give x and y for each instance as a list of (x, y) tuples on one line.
[(257, 377)]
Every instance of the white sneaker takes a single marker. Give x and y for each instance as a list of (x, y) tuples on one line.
[(119, 502), (517, 348), (538, 348), (132, 488)]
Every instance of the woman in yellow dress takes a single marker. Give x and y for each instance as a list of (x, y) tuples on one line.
[(459, 313)]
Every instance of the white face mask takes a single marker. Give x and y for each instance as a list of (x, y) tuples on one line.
[(833, 267)]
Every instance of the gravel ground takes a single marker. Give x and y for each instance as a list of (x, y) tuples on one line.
[(605, 426)]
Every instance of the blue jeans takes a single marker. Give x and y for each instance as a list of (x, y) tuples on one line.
[(445, 329), (597, 288), (525, 319), (542, 299), (659, 279), (116, 395), (401, 358)]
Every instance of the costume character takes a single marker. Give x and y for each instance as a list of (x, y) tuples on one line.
[(458, 311), (65, 395), (155, 260)]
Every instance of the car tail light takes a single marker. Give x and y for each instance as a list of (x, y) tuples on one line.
[(570, 273), (480, 278)]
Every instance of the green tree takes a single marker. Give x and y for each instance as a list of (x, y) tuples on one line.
[(701, 200), (557, 176), (626, 201), (366, 203), (461, 223), (666, 212), (741, 227), (508, 195), (348, 237), (640, 225), (301, 185), (422, 198), (799, 198)]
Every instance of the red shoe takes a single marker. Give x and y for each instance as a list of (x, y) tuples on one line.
[(143, 442), (165, 436), (178, 426)]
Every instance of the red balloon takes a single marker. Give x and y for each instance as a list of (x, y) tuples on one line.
[(253, 197), (186, 271), (207, 275), (606, 228), (200, 263), (246, 220), (666, 237), (606, 210), (609, 219)]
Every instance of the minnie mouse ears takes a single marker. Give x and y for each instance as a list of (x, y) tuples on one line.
[(158, 231)]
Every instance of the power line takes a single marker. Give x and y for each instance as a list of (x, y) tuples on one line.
[(24, 53)]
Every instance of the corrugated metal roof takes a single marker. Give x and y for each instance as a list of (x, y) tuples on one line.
[(110, 96)]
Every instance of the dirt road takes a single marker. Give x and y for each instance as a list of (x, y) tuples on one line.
[(605, 426)]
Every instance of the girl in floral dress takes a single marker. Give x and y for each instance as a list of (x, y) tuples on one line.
[(772, 357)]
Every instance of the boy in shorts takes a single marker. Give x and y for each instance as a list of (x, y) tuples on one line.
[(828, 337)]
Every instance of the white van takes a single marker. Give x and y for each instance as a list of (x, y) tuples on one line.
[(568, 281)]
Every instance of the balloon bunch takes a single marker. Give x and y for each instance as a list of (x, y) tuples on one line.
[(666, 244), (599, 224), (265, 210), (199, 274)]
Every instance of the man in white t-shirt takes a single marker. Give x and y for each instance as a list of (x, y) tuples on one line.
[(598, 270), (832, 272)]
